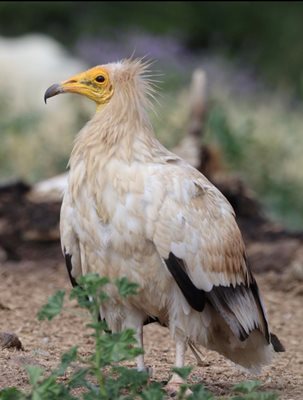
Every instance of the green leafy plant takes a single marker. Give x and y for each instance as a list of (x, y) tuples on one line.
[(249, 390), (100, 375)]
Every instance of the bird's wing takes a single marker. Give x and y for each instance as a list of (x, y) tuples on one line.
[(195, 233), (69, 241)]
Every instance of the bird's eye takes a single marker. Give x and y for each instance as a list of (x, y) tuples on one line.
[(100, 78)]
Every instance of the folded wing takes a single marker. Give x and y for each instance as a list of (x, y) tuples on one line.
[(196, 234)]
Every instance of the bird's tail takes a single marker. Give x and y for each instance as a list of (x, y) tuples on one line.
[(238, 328)]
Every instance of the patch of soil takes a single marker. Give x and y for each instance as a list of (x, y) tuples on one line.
[(25, 286)]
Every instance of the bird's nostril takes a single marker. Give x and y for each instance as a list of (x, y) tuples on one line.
[(71, 81)]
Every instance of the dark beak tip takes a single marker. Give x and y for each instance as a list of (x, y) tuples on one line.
[(52, 91)]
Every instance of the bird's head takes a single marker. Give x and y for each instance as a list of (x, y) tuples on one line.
[(94, 83), (127, 79)]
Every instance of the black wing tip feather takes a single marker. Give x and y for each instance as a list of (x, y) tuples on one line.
[(218, 297), (277, 345), (195, 297), (255, 291), (68, 262)]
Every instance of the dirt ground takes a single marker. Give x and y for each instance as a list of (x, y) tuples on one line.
[(24, 288)]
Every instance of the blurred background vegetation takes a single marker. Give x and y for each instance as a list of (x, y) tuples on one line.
[(252, 54)]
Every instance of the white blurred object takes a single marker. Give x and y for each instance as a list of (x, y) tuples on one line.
[(49, 190), (29, 65)]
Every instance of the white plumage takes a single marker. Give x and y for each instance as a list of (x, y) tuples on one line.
[(134, 209)]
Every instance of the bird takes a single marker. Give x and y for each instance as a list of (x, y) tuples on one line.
[(134, 209)]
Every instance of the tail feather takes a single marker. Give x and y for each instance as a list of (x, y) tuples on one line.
[(251, 354), (240, 330), (242, 309)]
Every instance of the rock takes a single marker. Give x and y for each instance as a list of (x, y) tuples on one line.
[(3, 307), (10, 340)]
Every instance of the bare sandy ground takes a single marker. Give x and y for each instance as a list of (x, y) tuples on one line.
[(24, 288)]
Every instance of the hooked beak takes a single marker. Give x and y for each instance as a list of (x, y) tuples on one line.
[(53, 91), (72, 85)]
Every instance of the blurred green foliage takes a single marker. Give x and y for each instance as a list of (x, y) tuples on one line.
[(266, 34), (265, 165)]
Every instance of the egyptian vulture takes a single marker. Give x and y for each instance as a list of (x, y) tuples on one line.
[(134, 209)]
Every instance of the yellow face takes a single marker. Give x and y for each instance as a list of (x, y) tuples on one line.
[(93, 83)]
